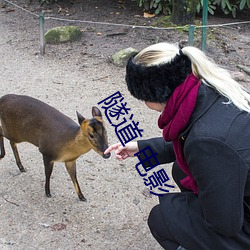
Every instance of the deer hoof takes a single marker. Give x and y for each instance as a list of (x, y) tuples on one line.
[(82, 198), (48, 195)]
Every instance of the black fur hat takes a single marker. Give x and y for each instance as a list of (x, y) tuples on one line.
[(156, 83)]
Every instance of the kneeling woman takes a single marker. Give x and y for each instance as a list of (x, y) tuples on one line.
[(205, 119)]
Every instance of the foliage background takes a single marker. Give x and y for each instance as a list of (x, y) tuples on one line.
[(164, 6)]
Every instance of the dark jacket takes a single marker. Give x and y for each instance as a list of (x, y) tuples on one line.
[(216, 145)]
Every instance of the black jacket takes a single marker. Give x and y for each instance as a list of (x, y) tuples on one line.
[(216, 145)]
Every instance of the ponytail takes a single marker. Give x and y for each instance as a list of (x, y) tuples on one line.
[(218, 78)]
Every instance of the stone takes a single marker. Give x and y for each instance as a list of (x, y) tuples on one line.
[(239, 76), (121, 58), (2, 3), (244, 68), (63, 34)]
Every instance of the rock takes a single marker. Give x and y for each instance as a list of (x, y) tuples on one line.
[(244, 68), (239, 76), (136, 201), (2, 3), (121, 58), (45, 225), (63, 34), (146, 193)]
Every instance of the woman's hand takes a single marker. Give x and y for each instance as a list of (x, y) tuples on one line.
[(121, 152)]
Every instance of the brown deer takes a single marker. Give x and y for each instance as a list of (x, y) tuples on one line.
[(59, 138)]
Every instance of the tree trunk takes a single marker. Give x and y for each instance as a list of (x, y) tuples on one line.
[(183, 11)]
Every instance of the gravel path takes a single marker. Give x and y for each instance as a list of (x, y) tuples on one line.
[(74, 77)]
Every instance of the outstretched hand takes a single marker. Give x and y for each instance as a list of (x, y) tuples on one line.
[(121, 152)]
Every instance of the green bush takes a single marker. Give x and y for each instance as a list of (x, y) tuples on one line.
[(156, 6), (165, 6), (211, 7), (232, 6)]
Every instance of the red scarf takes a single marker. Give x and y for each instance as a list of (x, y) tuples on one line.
[(174, 119)]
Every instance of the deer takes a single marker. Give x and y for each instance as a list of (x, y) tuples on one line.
[(58, 138)]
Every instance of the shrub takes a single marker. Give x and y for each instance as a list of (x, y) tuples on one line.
[(165, 6), (156, 6)]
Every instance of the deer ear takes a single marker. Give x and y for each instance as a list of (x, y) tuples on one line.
[(80, 118), (96, 112)]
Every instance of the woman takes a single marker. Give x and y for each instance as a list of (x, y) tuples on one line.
[(205, 118)]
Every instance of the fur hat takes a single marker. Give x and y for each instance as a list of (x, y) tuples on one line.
[(156, 83)]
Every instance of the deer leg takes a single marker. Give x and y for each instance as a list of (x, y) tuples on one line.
[(71, 168), (1, 144), (2, 147), (18, 161), (48, 165)]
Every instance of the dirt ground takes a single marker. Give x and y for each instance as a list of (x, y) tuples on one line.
[(76, 76)]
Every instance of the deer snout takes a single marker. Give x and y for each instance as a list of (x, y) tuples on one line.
[(106, 156)]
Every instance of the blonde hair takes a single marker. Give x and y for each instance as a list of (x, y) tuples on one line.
[(202, 67)]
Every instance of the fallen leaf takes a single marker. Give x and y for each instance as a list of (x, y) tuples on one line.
[(147, 15), (58, 227)]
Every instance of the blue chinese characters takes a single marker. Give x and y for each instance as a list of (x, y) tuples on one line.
[(115, 107), (147, 158)]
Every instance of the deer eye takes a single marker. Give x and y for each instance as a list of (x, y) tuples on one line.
[(91, 136)]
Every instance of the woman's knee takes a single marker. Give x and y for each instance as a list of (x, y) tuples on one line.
[(156, 223), (159, 229), (154, 217)]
